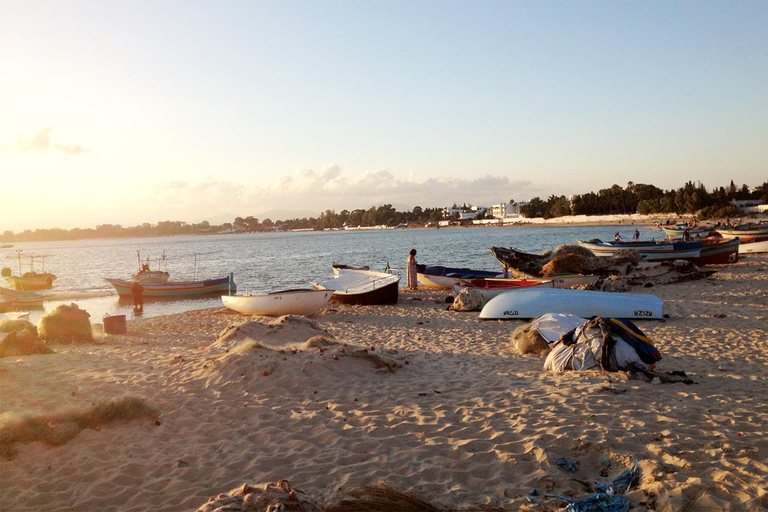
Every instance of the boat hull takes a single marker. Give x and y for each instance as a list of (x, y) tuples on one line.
[(755, 247), (719, 252), (29, 283), (521, 304), (747, 235), (447, 277), (289, 302), (648, 251), (362, 287), (217, 286), (20, 299)]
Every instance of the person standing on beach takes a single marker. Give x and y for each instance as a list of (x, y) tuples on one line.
[(413, 282), (138, 297), (637, 235)]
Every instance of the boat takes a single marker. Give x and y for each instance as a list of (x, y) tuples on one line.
[(651, 251), (584, 303), (678, 231), (438, 276), (6, 246), (363, 287), (747, 233), (718, 251), (31, 280), (288, 302), (490, 288), (557, 280), (216, 286), (15, 315), (754, 247), (20, 299), (338, 266)]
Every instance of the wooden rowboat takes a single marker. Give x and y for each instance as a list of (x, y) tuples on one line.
[(651, 251), (288, 302)]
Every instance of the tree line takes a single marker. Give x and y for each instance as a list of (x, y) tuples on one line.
[(692, 199)]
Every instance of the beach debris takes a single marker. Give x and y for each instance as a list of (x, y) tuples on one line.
[(57, 429), (17, 324), (567, 465), (527, 340), (608, 344), (270, 497), (609, 497), (66, 324), (23, 342), (468, 300)]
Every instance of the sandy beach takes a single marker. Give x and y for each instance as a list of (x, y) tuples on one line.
[(439, 405)]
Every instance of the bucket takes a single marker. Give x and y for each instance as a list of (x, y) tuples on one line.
[(115, 324)]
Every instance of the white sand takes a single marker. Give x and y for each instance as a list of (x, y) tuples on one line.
[(467, 422)]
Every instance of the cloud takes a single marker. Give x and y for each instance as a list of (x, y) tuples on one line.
[(328, 188), (38, 143)]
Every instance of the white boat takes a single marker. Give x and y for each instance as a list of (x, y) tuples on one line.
[(754, 247), (288, 302), (584, 303), (364, 287), (15, 315)]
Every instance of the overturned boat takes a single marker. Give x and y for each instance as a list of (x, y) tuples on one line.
[(535, 302)]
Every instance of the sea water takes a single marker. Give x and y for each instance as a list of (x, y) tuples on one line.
[(267, 262)]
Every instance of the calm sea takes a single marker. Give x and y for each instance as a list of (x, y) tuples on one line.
[(266, 262)]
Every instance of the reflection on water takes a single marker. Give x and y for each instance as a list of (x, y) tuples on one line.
[(267, 262)]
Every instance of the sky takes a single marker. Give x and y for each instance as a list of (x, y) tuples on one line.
[(132, 111)]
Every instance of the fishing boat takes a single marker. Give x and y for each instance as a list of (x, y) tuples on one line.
[(216, 286), (446, 278), (289, 302), (718, 251), (747, 233), (6, 246), (490, 288), (362, 287), (651, 251), (754, 247), (678, 231), (28, 281), (20, 299), (584, 303)]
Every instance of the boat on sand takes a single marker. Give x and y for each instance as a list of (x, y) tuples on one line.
[(651, 251), (754, 247), (584, 303), (288, 302), (363, 287), (20, 299), (438, 276), (490, 288)]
